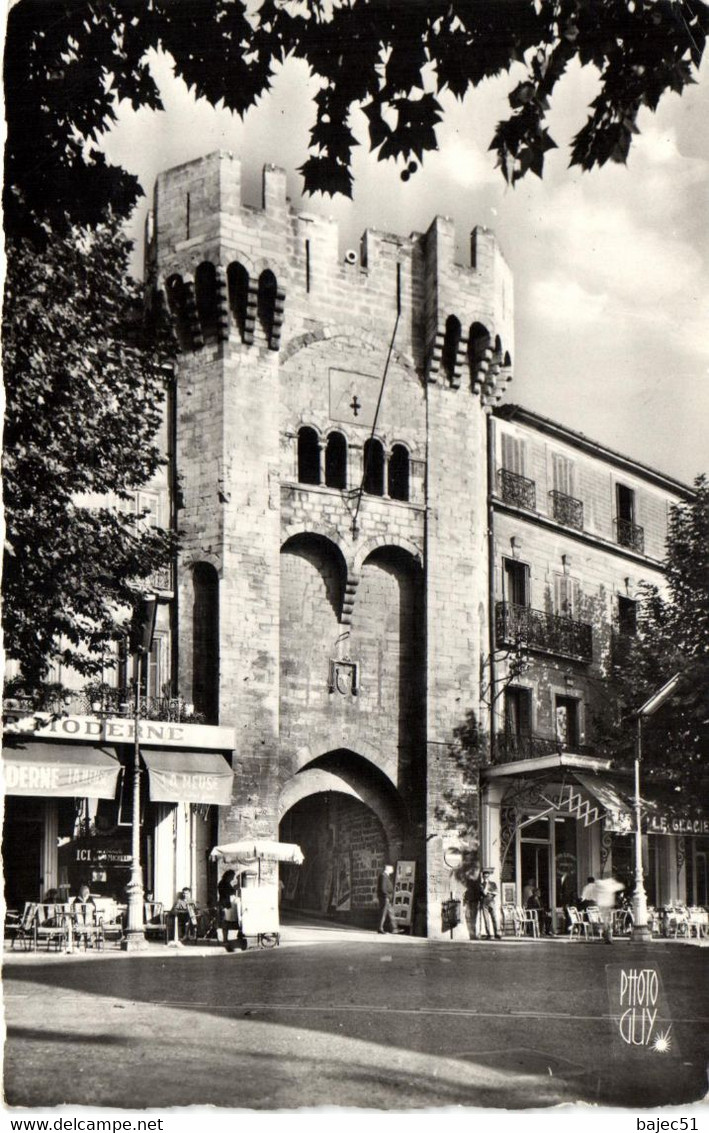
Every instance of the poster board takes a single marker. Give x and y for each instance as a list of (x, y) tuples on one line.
[(404, 886), (509, 893)]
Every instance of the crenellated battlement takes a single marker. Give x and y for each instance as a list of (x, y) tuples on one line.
[(246, 277)]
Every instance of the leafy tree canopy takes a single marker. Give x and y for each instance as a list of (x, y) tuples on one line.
[(68, 62), (672, 637), (83, 404)]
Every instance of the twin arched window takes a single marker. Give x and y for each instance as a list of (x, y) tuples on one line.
[(335, 464)]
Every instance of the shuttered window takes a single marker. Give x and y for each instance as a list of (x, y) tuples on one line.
[(567, 596), (564, 475), (512, 452)]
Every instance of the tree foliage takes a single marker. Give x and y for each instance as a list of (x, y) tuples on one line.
[(84, 397), (68, 62), (672, 637)]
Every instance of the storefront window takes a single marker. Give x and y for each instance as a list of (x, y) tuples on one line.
[(565, 861)]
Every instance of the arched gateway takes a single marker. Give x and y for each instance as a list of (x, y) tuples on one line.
[(348, 819)]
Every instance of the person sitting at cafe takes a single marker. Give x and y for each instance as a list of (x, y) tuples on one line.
[(543, 915), (181, 915), (84, 906)]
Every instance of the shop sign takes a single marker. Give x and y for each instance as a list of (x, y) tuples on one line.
[(63, 780), (665, 823), (161, 733), (103, 857)]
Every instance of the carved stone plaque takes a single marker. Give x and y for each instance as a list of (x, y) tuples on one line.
[(353, 397)]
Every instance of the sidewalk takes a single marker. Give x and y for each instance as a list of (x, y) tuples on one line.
[(302, 934)]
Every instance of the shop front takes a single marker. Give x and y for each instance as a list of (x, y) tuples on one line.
[(544, 823), (553, 822), (68, 811)]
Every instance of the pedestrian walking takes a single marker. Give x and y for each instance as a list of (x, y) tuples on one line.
[(385, 890)]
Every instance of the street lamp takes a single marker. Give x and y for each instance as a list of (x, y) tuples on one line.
[(134, 936), (641, 930)]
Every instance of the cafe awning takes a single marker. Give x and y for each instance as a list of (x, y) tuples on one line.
[(179, 776), (618, 816), (60, 770)]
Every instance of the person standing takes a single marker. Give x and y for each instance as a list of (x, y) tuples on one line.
[(385, 891), (225, 891), (473, 905), (488, 903)]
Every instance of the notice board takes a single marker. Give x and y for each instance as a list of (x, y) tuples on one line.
[(404, 885)]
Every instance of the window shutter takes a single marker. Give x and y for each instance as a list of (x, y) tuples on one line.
[(567, 593), (513, 454), (563, 475), (525, 712)]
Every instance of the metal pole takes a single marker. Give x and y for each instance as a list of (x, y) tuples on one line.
[(134, 938), (640, 926)]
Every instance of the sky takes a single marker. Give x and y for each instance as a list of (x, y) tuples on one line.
[(611, 267)]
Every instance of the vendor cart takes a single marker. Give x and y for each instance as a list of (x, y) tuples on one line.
[(254, 910)]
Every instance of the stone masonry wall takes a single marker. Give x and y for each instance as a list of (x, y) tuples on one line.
[(413, 615)]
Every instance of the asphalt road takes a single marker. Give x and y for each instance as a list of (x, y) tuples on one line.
[(387, 1023)]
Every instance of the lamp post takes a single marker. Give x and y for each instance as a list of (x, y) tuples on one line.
[(641, 930), (134, 936)]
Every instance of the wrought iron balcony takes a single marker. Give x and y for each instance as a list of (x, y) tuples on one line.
[(630, 535), (510, 747), (104, 701), (567, 510), (545, 633), (516, 489)]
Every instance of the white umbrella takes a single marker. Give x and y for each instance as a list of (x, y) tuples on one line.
[(256, 850)]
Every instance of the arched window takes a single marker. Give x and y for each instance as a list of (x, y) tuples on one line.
[(451, 342), (478, 343), (238, 284), (399, 473), (267, 287), (176, 301), (374, 467), (205, 642), (205, 285), (308, 456), (336, 461)]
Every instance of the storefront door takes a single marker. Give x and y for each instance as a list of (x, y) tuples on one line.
[(22, 838), (535, 858)]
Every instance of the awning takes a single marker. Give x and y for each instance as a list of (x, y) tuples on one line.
[(618, 817), (60, 770), (180, 776)]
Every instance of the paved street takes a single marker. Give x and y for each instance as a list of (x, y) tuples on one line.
[(351, 1019)]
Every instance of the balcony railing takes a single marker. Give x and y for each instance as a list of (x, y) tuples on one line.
[(546, 633), (516, 489), (567, 510), (630, 535), (114, 702), (510, 747)]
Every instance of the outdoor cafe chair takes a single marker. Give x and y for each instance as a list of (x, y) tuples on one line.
[(51, 925), (698, 922), (87, 925), (155, 921), (578, 927), (529, 921), (22, 929), (594, 921)]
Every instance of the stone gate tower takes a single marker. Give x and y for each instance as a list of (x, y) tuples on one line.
[(333, 584)]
